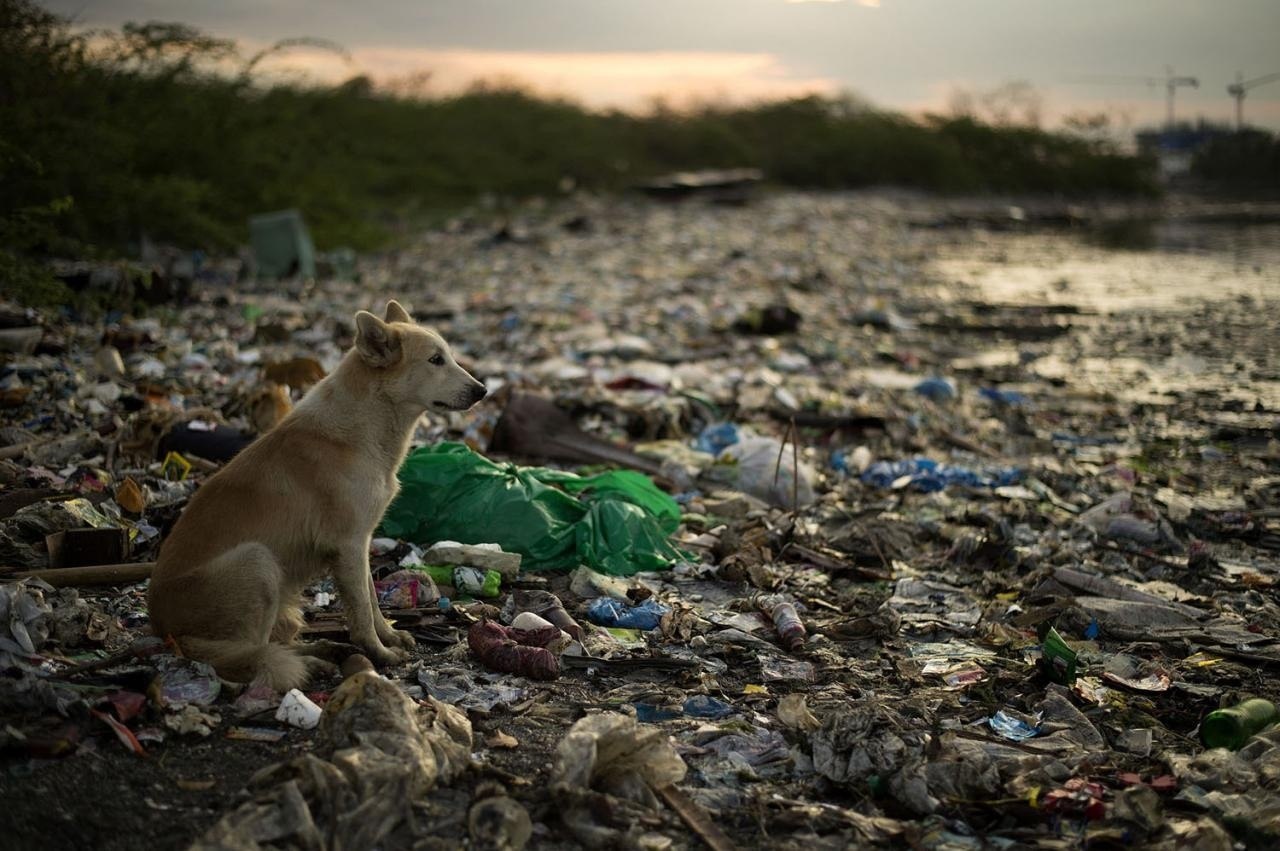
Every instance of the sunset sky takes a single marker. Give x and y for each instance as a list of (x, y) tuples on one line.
[(910, 55)]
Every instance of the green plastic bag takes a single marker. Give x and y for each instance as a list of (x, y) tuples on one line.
[(619, 525)]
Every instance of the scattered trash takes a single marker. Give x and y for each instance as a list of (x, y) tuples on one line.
[(770, 320), (269, 735), (794, 714), (189, 719), (369, 729), (544, 604), (929, 476), (476, 582), (877, 553), (533, 427), (483, 556), (499, 822), (181, 681), (706, 706), (462, 689)]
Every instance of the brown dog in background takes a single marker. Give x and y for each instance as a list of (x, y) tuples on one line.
[(302, 502)]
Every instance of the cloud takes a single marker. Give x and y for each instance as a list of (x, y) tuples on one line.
[(625, 79), (870, 4)]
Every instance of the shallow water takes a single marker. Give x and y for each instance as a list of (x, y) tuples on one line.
[(1186, 265), (1197, 312)]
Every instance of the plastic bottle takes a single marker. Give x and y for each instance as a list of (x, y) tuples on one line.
[(1230, 728), (441, 574), (790, 627)]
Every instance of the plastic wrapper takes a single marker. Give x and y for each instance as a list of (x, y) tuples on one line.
[(477, 582), (405, 590)]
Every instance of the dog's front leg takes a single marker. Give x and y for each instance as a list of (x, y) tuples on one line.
[(355, 584), (389, 635)]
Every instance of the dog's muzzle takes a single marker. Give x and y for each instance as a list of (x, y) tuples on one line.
[(470, 396)]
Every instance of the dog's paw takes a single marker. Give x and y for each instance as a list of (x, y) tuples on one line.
[(399, 638), (383, 656)]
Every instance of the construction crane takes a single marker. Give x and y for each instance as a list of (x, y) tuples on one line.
[(1170, 81), (1238, 89)]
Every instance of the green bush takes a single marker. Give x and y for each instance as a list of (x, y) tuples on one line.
[(1247, 159)]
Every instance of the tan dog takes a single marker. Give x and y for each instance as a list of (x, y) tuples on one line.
[(301, 502)]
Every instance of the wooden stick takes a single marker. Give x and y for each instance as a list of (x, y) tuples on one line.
[(697, 818), (957, 439), (96, 574), (95, 665)]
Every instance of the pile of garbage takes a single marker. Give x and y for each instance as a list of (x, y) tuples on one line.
[(766, 536)]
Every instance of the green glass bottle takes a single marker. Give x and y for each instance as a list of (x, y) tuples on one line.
[(1230, 728)]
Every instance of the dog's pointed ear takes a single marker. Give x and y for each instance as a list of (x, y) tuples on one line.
[(376, 341), (396, 313)]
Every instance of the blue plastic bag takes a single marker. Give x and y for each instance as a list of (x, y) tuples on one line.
[(706, 706), (716, 437), (937, 389), (606, 611), (928, 476)]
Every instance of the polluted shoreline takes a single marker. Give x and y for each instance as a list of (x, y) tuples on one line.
[(802, 520)]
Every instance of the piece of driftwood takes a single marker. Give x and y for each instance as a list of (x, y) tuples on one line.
[(95, 574)]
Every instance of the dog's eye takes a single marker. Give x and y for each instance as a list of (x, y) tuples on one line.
[(437, 360)]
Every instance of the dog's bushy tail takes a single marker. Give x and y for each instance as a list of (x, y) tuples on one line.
[(273, 665)]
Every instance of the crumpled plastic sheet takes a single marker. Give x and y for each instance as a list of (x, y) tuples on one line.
[(925, 606), (377, 752), (1242, 788), (764, 468), (459, 687), (180, 681), (611, 757), (24, 622), (871, 739), (1013, 725), (732, 755), (1064, 728)]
